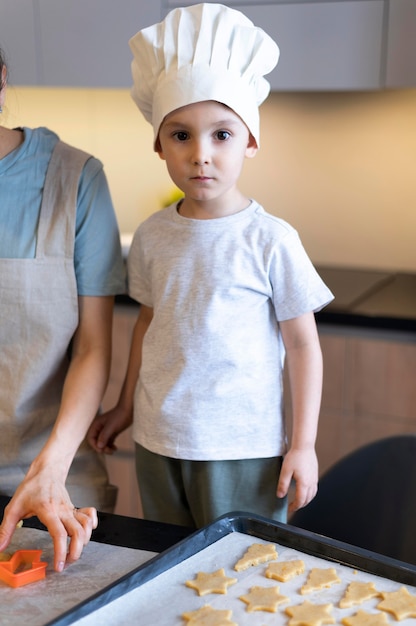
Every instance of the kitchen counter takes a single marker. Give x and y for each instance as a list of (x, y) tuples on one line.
[(364, 298), (372, 299), (128, 532)]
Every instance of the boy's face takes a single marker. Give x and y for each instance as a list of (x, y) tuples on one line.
[(204, 146)]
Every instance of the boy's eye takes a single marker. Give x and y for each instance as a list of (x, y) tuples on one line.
[(181, 135), (222, 135)]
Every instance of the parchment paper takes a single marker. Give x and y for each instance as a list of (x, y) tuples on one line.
[(161, 601), (38, 603)]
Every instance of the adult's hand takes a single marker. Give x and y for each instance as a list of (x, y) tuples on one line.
[(50, 502)]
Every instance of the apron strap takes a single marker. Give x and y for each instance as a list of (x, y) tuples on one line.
[(57, 219)]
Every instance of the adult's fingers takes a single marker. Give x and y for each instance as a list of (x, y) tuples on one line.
[(73, 524), (87, 520), (11, 518)]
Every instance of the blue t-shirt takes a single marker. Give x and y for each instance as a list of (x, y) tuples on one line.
[(98, 262)]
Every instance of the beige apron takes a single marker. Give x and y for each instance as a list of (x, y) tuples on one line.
[(38, 317)]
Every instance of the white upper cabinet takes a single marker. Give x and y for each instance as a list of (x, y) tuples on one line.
[(324, 45)]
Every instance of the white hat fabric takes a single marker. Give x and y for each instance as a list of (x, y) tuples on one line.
[(202, 52)]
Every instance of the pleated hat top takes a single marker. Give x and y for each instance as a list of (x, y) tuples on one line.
[(198, 53)]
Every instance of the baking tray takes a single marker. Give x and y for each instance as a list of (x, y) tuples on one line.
[(257, 527)]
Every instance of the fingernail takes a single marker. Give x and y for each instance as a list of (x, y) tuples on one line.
[(60, 566)]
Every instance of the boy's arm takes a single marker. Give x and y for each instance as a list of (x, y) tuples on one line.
[(105, 428), (304, 362)]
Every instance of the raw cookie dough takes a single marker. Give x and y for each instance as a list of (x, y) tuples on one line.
[(216, 582), (263, 599), (257, 553)]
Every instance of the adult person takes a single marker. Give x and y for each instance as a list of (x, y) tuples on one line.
[(226, 291), (60, 267)]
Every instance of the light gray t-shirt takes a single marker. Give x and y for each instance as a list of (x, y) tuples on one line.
[(210, 385)]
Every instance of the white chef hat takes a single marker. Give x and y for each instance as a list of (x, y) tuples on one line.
[(202, 52)]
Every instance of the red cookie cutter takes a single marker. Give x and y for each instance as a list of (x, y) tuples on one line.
[(23, 568)]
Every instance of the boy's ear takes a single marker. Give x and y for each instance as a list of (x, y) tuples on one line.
[(158, 148), (252, 147)]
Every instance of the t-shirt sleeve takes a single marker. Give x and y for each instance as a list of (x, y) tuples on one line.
[(139, 286), (297, 286), (99, 265)]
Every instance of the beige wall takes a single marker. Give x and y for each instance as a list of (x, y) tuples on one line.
[(340, 167)]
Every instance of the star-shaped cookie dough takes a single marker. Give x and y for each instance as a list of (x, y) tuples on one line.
[(319, 579), (216, 582), (401, 603), (207, 616), (256, 554), (285, 570), (358, 592), (263, 599), (362, 618), (308, 614)]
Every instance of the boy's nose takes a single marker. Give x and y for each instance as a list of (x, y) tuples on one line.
[(200, 154), (201, 161)]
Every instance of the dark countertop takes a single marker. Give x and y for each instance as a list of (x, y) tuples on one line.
[(373, 299), (363, 298), (128, 532)]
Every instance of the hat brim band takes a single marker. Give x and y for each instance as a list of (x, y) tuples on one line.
[(192, 84)]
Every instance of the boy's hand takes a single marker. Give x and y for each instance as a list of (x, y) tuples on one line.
[(105, 428), (301, 466)]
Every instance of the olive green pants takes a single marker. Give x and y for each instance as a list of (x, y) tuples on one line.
[(194, 493)]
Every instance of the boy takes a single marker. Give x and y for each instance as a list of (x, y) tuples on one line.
[(225, 291)]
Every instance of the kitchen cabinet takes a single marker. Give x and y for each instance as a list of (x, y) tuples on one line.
[(18, 41), (336, 44), (82, 43), (368, 389), (315, 41), (85, 42), (325, 45), (401, 44)]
